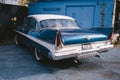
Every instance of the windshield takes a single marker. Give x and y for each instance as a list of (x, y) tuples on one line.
[(59, 23)]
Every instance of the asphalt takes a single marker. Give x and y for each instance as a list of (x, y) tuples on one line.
[(18, 63)]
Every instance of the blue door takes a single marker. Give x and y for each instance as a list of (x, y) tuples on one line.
[(83, 14)]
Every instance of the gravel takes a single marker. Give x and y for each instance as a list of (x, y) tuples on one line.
[(18, 63)]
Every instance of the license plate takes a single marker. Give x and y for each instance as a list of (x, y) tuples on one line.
[(86, 46)]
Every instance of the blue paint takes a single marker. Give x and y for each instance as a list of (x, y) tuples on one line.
[(46, 35), (86, 12), (80, 36), (106, 31)]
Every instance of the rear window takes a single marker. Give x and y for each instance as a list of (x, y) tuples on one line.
[(59, 23)]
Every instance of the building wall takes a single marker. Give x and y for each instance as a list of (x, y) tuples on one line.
[(88, 13), (14, 2)]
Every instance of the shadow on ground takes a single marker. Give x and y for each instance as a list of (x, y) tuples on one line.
[(17, 63)]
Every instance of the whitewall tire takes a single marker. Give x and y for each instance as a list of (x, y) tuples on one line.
[(37, 55)]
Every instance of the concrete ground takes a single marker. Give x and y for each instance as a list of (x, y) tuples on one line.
[(17, 63)]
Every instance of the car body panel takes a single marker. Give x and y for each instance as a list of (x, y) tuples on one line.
[(45, 35), (81, 36)]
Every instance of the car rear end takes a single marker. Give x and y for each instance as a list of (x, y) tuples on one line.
[(80, 43), (72, 41)]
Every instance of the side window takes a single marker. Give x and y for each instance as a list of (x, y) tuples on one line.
[(30, 23), (47, 23), (43, 24)]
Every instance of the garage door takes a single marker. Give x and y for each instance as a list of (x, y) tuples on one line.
[(83, 14)]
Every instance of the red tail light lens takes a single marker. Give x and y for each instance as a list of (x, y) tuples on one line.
[(110, 36), (58, 40)]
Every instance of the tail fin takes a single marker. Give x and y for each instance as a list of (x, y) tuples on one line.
[(108, 31), (59, 43)]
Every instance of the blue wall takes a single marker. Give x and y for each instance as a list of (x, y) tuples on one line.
[(86, 12)]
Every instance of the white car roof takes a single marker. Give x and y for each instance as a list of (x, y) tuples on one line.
[(40, 17)]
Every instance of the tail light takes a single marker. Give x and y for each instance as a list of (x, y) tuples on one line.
[(58, 41), (110, 36)]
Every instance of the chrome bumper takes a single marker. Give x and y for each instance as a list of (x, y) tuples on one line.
[(79, 53)]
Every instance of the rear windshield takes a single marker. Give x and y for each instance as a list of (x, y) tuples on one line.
[(59, 23)]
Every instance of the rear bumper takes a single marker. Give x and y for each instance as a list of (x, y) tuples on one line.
[(79, 53)]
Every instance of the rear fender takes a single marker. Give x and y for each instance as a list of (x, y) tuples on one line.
[(104, 30)]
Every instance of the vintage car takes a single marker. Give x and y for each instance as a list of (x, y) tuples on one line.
[(58, 37)]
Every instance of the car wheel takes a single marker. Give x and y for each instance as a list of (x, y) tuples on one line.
[(38, 55), (16, 40)]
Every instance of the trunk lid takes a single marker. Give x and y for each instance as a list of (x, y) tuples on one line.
[(77, 36)]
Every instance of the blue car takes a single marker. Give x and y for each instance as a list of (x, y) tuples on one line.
[(58, 37)]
